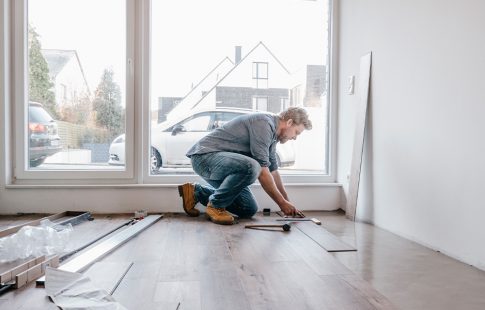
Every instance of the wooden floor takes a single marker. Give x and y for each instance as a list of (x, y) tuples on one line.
[(193, 264)]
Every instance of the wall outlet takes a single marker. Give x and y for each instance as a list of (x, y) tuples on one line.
[(351, 84)]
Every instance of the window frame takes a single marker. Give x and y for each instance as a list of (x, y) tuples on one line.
[(137, 171), (256, 70), (22, 174), (261, 82)]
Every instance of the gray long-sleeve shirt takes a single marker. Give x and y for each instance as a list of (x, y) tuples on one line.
[(253, 135)]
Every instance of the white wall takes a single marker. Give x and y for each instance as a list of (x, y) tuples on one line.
[(424, 163), (98, 199)]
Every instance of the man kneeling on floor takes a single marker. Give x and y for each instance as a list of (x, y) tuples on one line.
[(232, 157)]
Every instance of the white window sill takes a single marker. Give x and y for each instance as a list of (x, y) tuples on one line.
[(88, 186)]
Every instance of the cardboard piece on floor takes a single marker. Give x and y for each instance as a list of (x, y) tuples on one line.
[(365, 67), (71, 290)]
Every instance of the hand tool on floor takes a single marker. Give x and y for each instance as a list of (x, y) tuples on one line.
[(285, 226), (314, 220)]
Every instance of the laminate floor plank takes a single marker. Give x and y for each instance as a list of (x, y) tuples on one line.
[(200, 254), (221, 288), (251, 245), (192, 244), (182, 294), (323, 237), (364, 288), (285, 286), (319, 260), (137, 290)]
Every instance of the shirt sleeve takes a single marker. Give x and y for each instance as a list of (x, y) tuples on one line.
[(272, 158)]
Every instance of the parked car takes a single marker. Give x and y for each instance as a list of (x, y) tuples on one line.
[(171, 140), (44, 140), (117, 151)]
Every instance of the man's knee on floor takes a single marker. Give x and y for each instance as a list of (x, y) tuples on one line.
[(248, 212)]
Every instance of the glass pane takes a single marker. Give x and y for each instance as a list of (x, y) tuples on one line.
[(225, 63), (76, 61), (200, 123), (260, 70)]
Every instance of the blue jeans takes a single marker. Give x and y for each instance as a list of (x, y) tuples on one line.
[(229, 175)]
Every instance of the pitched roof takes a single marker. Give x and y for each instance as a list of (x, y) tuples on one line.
[(233, 68), (207, 82), (57, 59)]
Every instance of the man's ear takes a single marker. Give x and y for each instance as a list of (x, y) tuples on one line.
[(289, 122)]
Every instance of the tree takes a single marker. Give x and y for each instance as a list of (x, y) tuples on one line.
[(107, 104), (79, 112), (40, 84)]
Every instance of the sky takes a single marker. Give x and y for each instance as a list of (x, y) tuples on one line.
[(94, 28), (189, 37)]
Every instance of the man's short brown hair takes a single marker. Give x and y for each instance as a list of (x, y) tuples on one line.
[(298, 115)]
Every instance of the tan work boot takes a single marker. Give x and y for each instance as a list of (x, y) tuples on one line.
[(219, 215), (187, 192)]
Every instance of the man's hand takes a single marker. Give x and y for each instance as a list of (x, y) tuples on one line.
[(290, 210), (271, 183)]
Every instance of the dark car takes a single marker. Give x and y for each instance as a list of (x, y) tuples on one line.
[(44, 140)]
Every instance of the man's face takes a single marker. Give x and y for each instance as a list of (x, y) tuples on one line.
[(290, 131)]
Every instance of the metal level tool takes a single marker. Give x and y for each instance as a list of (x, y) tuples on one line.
[(314, 220)]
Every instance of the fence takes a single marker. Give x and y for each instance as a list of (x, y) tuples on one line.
[(73, 136)]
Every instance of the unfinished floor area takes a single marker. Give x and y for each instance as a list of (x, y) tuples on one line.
[(190, 263)]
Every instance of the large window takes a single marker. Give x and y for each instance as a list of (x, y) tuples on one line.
[(75, 86), (247, 59), (121, 89)]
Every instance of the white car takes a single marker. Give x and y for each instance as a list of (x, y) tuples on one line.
[(171, 140)]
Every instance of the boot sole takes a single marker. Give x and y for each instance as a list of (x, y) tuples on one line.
[(190, 212)]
